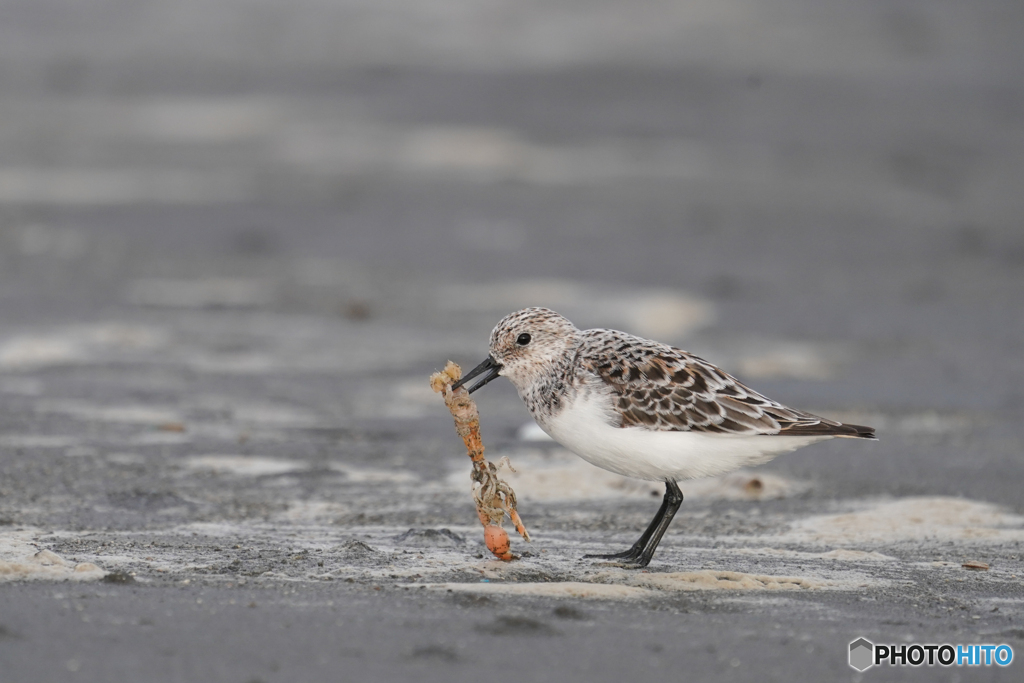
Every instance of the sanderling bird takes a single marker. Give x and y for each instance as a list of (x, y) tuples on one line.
[(643, 409)]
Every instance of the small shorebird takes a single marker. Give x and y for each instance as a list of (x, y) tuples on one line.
[(643, 409)]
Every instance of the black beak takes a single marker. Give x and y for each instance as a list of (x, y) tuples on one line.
[(490, 366)]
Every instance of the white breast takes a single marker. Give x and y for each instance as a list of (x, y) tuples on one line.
[(585, 428)]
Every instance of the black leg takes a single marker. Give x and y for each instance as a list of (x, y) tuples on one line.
[(674, 497), (643, 550), (638, 547)]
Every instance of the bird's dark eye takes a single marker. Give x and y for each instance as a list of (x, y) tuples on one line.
[(523, 339)]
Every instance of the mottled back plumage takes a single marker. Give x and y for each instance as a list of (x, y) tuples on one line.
[(660, 387)]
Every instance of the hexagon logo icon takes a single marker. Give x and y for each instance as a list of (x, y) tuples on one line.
[(862, 654)]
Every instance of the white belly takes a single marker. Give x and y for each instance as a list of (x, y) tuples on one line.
[(635, 452)]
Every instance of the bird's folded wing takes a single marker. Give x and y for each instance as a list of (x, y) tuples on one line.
[(662, 388)]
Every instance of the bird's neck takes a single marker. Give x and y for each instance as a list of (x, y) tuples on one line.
[(547, 395)]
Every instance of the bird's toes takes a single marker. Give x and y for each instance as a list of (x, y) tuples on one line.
[(616, 557)]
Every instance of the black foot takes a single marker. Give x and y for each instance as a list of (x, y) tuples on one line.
[(639, 556), (630, 554), (623, 563)]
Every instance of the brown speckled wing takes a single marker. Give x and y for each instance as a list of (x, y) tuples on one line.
[(661, 388)]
